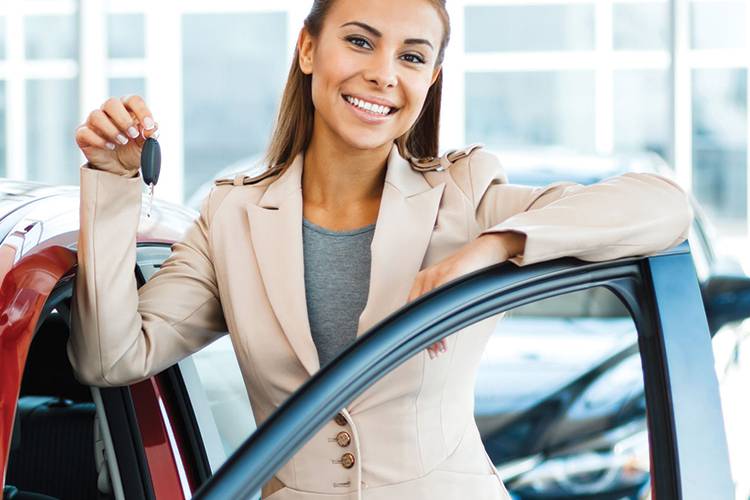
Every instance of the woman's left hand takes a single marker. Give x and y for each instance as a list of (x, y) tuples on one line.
[(486, 250)]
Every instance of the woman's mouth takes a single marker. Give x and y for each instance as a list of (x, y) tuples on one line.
[(369, 112)]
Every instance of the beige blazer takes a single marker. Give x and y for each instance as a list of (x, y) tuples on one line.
[(239, 269)]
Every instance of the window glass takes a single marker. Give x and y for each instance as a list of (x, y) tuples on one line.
[(219, 398), (125, 34), (559, 399), (51, 153), (641, 110), (531, 108), (51, 37), (2, 37), (718, 24), (3, 146), (720, 146), (641, 26), (731, 349), (119, 87), (234, 70), (529, 28)]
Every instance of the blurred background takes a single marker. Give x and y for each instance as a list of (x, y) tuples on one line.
[(558, 89), (601, 77)]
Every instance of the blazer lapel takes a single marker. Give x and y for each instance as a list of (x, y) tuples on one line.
[(276, 234), (406, 219)]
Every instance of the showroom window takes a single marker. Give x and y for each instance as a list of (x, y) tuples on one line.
[(594, 76)]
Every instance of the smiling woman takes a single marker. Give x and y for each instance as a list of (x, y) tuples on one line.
[(354, 218), (352, 57)]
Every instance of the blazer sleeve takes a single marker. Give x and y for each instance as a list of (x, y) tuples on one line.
[(121, 334), (627, 215)]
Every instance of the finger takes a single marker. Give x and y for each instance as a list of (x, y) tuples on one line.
[(434, 352), (435, 349), (137, 105), (153, 133), (115, 110), (101, 123), (85, 137)]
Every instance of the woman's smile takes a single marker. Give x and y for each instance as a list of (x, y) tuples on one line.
[(368, 112)]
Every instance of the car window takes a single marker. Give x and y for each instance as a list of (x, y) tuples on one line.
[(559, 399), (217, 393)]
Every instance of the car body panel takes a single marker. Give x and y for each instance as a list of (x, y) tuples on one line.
[(167, 466), (25, 289)]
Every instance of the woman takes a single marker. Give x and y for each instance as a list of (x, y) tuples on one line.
[(282, 261)]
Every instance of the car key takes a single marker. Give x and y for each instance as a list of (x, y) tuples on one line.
[(150, 167)]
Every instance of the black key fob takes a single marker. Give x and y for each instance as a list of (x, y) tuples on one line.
[(150, 161)]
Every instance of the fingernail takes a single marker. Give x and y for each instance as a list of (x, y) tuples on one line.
[(110, 146), (155, 135), (443, 348), (132, 132), (122, 139), (148, 123), (432, 356)]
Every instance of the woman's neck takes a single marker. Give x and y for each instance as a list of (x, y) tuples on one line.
[(341, 187)]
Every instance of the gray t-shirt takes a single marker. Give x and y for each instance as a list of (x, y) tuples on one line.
[(337, 280)]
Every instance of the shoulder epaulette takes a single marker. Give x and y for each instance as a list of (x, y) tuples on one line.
[(244, 179), (443, 162)]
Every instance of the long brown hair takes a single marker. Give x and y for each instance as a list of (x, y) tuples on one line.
[(294, 124)]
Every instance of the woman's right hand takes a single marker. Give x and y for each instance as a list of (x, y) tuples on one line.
[(112, 136)]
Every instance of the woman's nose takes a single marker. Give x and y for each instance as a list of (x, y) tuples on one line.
[(382, 70)]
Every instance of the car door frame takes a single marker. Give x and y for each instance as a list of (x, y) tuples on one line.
[(660, 291)]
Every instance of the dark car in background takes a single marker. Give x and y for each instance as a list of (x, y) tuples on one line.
[(565, 408)]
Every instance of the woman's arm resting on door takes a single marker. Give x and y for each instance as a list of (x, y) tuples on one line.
[(631, 214)]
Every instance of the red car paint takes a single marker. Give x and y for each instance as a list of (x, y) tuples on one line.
[(25, 288), (160, 455)]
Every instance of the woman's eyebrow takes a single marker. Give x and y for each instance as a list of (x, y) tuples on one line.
[(374, 32)]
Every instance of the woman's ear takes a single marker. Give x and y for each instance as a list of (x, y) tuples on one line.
[(305, 50)]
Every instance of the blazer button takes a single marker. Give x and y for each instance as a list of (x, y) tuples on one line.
[(343, 438), (347, 460), (340, 419)]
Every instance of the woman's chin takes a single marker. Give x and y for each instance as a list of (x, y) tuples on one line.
[(372, 141)]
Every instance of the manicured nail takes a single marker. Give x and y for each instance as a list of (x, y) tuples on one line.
[(132, 132), (155, 135), (110, 146), (122, 139), (148, 123)]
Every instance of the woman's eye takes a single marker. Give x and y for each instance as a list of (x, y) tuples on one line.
[(356, 38), (417, 59)]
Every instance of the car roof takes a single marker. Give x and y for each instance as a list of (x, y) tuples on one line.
[(55, 210)]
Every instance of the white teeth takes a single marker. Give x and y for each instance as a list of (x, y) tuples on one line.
[(373, 108)]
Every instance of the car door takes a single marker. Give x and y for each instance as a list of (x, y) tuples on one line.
[(26, 285), (687, 449)]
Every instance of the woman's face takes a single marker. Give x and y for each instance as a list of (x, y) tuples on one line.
[(379, 52)]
